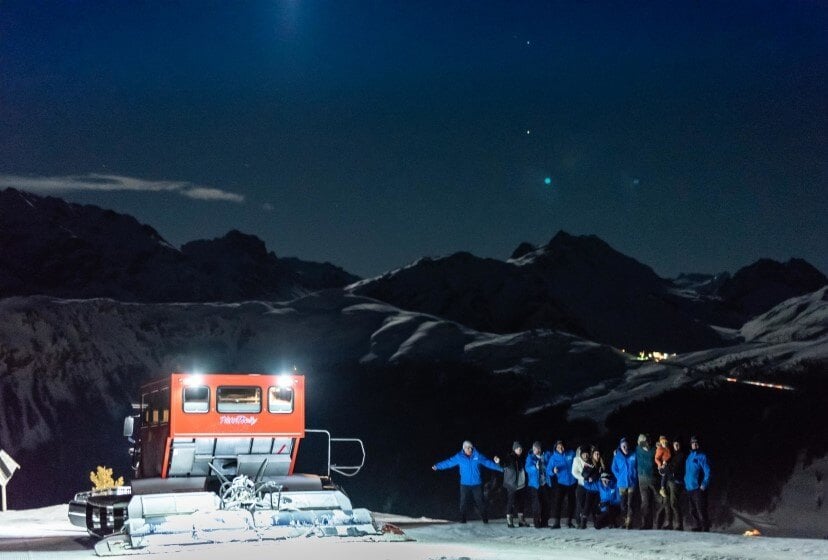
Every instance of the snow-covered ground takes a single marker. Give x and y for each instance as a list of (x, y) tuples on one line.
[(45, 533)]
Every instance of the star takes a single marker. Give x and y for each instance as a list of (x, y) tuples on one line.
[(528, 131), (547, 181)]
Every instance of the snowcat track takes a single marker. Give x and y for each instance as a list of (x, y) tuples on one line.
[(105, 515)]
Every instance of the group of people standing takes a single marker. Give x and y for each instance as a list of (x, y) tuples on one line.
[(645, 479)]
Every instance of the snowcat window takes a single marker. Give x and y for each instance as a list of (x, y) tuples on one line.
[(239, 399), (280, 400), (156, 407), (197, 399)]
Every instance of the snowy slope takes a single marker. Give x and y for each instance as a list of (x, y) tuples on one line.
[(800, 318), (46, 534), (800, 509), (791, 333), (85, 359)]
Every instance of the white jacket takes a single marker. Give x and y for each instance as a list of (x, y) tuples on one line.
[(578, 468)]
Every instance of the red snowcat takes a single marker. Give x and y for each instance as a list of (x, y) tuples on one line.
[(214, 459)]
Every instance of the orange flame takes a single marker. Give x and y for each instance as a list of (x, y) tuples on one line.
[(753, 533)]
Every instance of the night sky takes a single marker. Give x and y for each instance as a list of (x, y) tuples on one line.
[(692, 136)]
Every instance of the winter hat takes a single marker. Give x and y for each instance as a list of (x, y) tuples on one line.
[(467, 443), (623, 440), (537, 444), (516, 445), (559, 442), (642, 438), (665, 439), (694, 439)]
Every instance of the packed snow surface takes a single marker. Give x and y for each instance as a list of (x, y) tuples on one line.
[(46, 533)]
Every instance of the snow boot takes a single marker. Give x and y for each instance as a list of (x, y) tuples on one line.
[(557, 524), (522, 521), (583, 522), (510, 522), (570, 524)]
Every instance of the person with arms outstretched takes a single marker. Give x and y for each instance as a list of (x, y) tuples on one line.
[(469, 461)]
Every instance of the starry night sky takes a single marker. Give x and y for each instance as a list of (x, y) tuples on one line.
[(690, 135)]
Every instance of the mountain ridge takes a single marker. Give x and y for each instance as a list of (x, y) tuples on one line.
[(53, 247)]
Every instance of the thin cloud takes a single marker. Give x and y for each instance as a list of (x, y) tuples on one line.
[(268, 207), (209, 193), (99, 182)]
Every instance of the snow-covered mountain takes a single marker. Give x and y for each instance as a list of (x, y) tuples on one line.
[(70, 368), (701, 284), (412, 385), (52, 247), (413, 361), (581, 285), (778, 342), (574, 283)]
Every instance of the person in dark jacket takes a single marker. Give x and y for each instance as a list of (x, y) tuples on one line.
[(469, 461), (538, 484), (626, 475), (648, 483), (560, 469), (609, 505), (514, 481), (592, 471), (674, 518), (697, 481)]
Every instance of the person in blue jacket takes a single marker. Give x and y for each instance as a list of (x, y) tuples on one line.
[(469, 461), (609, 505), (696, 482), (537, 483), (625, 469), (559, 469)]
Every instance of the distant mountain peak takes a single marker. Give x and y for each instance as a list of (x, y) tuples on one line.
[(233, 241), (565, 240), (522, 250), (758, 287)]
